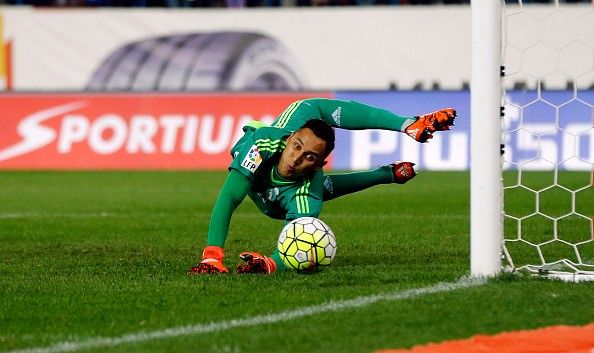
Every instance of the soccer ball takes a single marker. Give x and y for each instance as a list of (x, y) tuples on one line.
[(306, 244)]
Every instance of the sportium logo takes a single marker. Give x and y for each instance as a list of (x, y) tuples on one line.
[(84, 134), (34, 135)]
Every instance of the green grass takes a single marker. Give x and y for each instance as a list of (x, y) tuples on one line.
[(88, 254)]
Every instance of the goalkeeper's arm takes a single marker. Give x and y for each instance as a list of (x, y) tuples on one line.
[(231, 195), (234, 189)]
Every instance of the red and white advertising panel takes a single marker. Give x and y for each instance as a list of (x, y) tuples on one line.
[(129, 131)]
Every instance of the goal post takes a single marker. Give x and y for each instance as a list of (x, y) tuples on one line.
[(532, 139), (486, 199)]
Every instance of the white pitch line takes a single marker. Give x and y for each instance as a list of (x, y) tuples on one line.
[(332, 306)]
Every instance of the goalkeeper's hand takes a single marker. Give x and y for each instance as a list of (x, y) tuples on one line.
[(212, 262), (403, 171)]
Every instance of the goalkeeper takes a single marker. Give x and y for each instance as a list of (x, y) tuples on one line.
[(280, 169)]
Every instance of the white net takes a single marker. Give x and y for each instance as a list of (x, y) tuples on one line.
[(548, 137)]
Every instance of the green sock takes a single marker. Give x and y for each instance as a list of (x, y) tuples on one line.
[(336, 185)]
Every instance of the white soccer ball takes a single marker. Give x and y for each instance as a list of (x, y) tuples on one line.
[(306, 244)]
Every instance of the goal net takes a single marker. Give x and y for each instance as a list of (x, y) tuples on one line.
[(548, 139)]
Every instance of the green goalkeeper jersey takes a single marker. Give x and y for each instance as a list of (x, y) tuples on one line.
[(255, 157), (253, 173)]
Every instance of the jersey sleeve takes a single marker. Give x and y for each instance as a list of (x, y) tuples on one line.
[(261, 145), (231, 195), (307, 200)]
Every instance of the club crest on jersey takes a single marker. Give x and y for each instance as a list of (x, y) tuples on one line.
[(271, 194), (252, 159)]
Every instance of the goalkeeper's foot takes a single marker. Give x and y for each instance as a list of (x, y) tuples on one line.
[(403, 171), (425, 125), (256, 263)]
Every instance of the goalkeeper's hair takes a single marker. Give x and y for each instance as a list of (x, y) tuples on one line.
[(323, 130)]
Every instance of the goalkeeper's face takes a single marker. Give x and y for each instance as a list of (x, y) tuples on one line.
[(304, 154)]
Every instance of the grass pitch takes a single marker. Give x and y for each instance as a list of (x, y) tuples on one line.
[(85, 255)]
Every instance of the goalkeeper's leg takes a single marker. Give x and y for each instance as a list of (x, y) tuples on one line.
[(336, 185)]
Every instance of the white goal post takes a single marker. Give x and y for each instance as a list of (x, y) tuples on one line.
[(486, 188), (532, 139)]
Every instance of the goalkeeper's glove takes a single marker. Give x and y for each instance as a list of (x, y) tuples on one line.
[(425, 125), (212, 262), (403, 171), (256, 263)]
